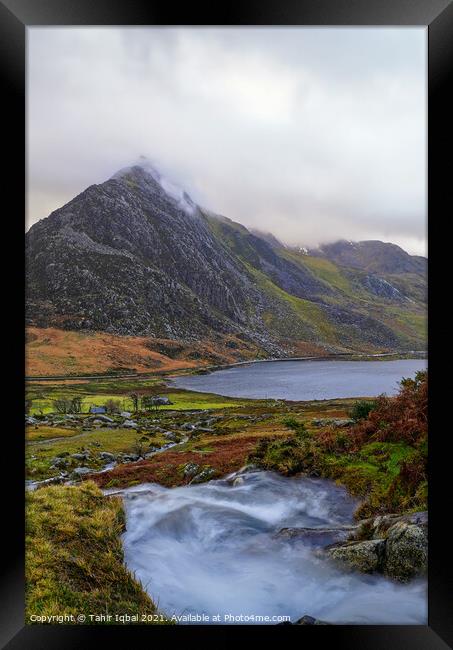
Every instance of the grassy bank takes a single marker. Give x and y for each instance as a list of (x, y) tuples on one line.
[(382, 458), (74, 557)]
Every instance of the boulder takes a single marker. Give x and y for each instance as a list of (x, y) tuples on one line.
[(131, 458), (81, 456), (206, 474), (339, 422), (130, 424), (101, 418), (246, 469), (406, 553), (191, 470), (161, 401), (381, 525), (106, 455), (80, 471), (171, 435), (125, 414), (59, 463), (367, 556)]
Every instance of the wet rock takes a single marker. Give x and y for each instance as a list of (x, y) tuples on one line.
[(367, 556), (319, 537), (130, 424), (131, 458), (238, 481), (406, 553), (247, 469)]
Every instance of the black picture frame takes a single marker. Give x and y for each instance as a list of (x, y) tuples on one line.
[(15, 17)]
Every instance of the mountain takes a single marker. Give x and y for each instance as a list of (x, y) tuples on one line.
[(373, 256), (137, 256)]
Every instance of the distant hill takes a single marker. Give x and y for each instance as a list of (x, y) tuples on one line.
[(136, 256)]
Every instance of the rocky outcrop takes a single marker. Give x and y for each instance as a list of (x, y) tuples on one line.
[(406, 551), (367, 556), (337, 423), (397, 546)]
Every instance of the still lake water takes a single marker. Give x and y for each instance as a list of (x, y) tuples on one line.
[(305, 380)]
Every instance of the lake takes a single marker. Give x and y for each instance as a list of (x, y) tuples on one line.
[(305, 380)]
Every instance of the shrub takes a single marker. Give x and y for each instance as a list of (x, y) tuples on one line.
[(362, 409)]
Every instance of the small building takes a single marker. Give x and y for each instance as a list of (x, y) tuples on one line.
[(98, 409)]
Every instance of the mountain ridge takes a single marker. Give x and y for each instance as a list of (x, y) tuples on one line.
[(135, 255)]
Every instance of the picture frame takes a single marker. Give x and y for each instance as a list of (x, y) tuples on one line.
[(437, 15)]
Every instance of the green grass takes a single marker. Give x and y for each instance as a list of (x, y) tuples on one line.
[(371, 474), (74, 556), (323, 269), (39, 456), (97, 393), (308, 320)]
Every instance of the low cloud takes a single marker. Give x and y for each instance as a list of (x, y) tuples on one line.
[(312, 134)]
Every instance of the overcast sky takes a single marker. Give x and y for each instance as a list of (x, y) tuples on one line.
[(312, 134)]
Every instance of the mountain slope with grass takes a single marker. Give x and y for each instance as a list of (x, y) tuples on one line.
[(135, 256)]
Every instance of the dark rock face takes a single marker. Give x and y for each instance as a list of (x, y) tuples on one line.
[(131, 256), (124, 257)]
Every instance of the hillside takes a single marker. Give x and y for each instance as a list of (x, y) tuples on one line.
[(135, 256)]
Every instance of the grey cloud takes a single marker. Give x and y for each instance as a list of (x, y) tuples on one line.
[(313, 134)]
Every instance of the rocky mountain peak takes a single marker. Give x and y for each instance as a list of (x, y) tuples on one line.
[(145, 175)]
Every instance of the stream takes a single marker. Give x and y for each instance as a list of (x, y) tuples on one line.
[(214, 549)]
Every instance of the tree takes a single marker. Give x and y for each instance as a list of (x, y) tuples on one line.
[(76, 405), (135, 397), (62, 405), (112, 406), (149, 403)]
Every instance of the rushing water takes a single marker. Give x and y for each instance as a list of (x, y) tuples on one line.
[(305, 380), (212, 549)]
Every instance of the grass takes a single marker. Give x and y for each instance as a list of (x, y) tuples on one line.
[(33, 433), (323, 269), (97, 393), (381, 458), (56, 352), (39, 457), (305, 319), (74, 556)]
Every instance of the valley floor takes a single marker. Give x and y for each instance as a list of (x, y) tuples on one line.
[(194, 438)]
